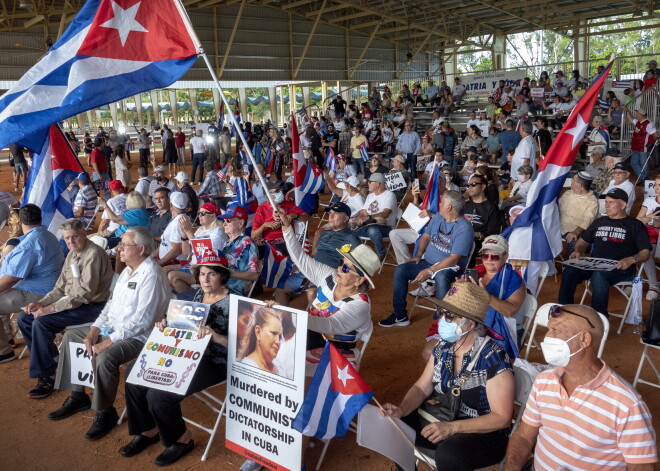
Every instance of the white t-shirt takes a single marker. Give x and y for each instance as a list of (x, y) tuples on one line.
[(355, 202), (484, 126), (437, 125), (197, 144), (172, 234), (526, 149), (651, 205), (118, 206), (628, 187), (375, 204)]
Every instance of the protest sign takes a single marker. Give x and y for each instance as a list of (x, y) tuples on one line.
[(649, 188), (591, 263), (395, 181), (169, 359), (265, 382), (82, 372), (484, 85), (537, 92), (412, 217)]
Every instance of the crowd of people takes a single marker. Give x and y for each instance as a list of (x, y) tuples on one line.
[(110, 282)]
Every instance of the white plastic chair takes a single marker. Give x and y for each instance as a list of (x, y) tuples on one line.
[(644, 359), (399, 215), (528, 310), (621, 288)]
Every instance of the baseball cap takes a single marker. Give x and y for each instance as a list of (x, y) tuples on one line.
[(339, 207), (399, 158), (182, 177), (652, 62), (585, 176), (641, 111), (615, 193), (235, 212), (353, 181), (613, 152), (83, 177), (159, 169), (622, 166), (211, 208), (274, 185), (117, 185), (496, 243), (179, 199), (377, 177)]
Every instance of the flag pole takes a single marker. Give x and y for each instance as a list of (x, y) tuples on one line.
[(410, 442), (232, 118)]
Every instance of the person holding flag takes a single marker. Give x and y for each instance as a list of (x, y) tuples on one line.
[(471, 431), (358, 142)]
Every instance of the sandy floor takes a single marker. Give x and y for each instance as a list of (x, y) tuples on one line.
[(391, 364)]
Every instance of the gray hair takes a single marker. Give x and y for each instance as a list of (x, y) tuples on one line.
[(526, 127), (135, 200), (72, 224), (456, 200), (143, 172), (143, 237)]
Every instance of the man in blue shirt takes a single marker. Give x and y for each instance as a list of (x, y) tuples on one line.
[(432, 93), (29, 271), (509, 139), (409, 145), (442, 253)]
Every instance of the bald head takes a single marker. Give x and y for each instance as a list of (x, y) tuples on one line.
[(570, 323)]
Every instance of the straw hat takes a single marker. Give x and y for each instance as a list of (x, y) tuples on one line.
[(466, 300), (364, 258)]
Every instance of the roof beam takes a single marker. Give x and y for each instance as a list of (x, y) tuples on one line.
[(295, 4), (309, 40), (231, 38), (618, 30), (359, 14), (364, 51)]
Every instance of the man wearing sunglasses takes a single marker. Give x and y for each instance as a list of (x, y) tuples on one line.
[(615, 236), (480, 212), (580, 414)]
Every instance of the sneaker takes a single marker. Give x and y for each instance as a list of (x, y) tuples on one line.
[(7, 357), (44, 388), (652, 294), (250, 465), (425, 290), (394, 321)]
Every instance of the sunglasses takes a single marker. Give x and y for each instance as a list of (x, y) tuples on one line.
[(204, 213), (346, 269), (557, 310), (450, 316), (491, 257), (472, 185)]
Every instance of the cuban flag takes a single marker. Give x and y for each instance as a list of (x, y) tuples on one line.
[(222, 173), (364, 153), (335, 395), (535, 233), (243, 196), (112, 50), (237, 114), (308, 178), (54, 167), (431, 201), (330, 159), (221, 115), (269, 163), (277, 268)]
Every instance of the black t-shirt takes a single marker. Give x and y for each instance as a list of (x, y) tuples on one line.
[(340, 106), (615, 239), (484, 217), (331, 136)]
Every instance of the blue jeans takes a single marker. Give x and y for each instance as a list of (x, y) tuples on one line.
[(411, 159), (375, 232), (359, 166), (198, 161), (637, 160), (39, 335), (409, 271), (600, 285)]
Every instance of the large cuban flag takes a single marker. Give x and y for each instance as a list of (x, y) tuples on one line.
[(113, 49), (535, 233), (308, 178)]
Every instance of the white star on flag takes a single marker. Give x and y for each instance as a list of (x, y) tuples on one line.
[(124, 21), (578, 130), (342, 375)]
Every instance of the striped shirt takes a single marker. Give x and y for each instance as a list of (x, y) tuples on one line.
[(603, 425), (87, 199)]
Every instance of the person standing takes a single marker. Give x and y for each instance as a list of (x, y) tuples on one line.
[(409, 144), (199, 148), (644, 134), (180, 140)]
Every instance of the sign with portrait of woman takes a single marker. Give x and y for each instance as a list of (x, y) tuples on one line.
[(265, 382)]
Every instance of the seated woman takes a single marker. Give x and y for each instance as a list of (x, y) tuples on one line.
[(262, 341), (154, 414), (468, 363), (135, 215), (240, 250), (520, 189)]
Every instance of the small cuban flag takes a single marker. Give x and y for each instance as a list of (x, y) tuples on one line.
[(277, 268), (330, 159), (364, 153), (335, 395)]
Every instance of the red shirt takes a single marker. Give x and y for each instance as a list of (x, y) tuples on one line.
[(180, 139), (98, 158), (264, 214)]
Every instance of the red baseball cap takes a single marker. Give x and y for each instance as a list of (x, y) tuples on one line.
[(117, 185), (211, 208)]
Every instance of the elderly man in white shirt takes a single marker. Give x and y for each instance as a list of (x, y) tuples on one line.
[(139, 299), (526, 149)]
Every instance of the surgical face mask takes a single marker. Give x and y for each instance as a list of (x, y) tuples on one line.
[(449, 331), (447, 179), (278, 197), (556, 351), (355, 133), (522, 178)]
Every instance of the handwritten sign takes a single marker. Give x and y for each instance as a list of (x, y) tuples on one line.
[(82, 371), (591, 263), (395, 181)]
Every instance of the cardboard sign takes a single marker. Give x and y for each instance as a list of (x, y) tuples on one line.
[(538, 92), (82, 371), (169, 359), (411, 216), (395, 181), (265, 382), (484, 85), (649, 188)]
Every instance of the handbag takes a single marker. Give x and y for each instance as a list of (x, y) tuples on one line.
[(651, 333), (444, 407)]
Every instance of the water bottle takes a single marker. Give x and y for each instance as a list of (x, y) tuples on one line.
[(106, 328), (638, 320)]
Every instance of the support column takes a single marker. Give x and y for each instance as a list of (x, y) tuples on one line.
[(81, 122), (306, 97), (282, 120), (324, 95), (90, 119), (293, 104), (193, 104), (581, 47), (138, 108), (113, 114), (242, 95), (272, 101), (499, 50), (97, 115), (123, 112), (175, 108), (217, 101), (155, 106)]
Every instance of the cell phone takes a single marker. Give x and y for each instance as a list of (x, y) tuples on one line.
[(472, 273), (416, 183)]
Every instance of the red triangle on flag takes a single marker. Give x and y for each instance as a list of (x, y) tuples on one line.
[(62, 156), (142, 30), (345, 379)]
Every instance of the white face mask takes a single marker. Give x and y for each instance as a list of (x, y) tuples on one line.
[(522, 178), (556, 351)]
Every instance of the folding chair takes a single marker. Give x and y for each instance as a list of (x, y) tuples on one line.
[(399, 215), (90, 224), (643, 359), (621, 288), (543, 273), (527, 312), (217, 406), (364, 338)]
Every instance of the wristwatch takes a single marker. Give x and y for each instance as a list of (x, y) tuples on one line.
[(635, 259)]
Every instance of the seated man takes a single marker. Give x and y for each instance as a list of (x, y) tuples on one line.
[(325, 248), (615, 236), (84, 205), (161, 215), (29, 271), (581, 412), (139, 299), (77, 298), (117, 205), (620, 179), (380, 203), (442, 253)]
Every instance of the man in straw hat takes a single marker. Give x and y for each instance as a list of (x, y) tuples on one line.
[(477, 435)]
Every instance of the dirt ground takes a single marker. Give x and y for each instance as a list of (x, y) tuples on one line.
[(391, 364)]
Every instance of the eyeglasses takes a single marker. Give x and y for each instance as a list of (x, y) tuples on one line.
[(204, 213), (121, 245), (491, 257), (556, 311), (472, 185), (450, 316), (346, 269)]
